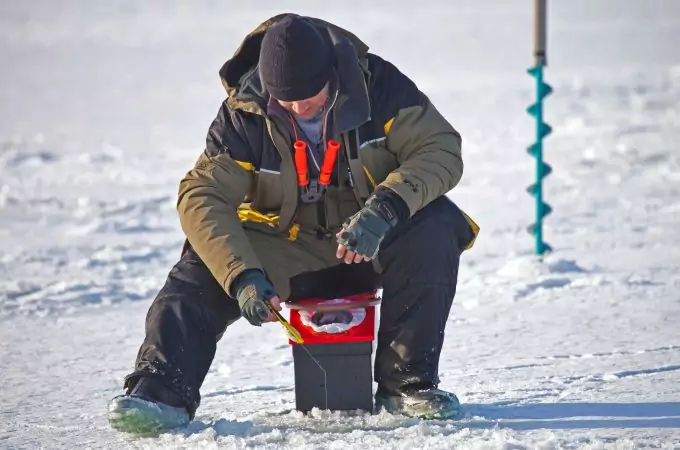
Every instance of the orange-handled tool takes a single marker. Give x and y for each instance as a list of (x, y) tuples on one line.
[(301, 162), (329, 162)]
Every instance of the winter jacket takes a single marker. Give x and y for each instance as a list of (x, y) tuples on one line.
[(392, 137)]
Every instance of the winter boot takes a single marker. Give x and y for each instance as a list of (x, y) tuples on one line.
[(425, 402), (148, 408)]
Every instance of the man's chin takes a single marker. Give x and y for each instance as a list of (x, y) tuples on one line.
[(308, 115)]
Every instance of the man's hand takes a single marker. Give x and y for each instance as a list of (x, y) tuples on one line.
[(253, 293), (343, 253), (361, 236)]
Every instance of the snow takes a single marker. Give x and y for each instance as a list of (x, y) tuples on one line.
[(105, 105)]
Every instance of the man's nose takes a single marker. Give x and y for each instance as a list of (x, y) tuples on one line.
[(299, 107)]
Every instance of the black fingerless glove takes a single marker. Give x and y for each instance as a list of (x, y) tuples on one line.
[(364, 231)]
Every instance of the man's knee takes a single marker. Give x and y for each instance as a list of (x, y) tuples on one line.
[(191, 294), (441, 221), (426, 248)]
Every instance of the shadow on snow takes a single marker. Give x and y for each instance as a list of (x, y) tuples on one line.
[(531, 416)]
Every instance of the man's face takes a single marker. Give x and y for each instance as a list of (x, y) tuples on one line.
[(307, 108)]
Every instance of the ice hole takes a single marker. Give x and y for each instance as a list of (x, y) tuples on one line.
[(335, 321)]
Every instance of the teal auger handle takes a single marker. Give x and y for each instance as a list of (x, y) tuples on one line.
[(536, 151)]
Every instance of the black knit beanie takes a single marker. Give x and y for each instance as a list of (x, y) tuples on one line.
[(295, 60)]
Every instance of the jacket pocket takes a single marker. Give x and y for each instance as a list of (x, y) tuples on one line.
[(269, 191)]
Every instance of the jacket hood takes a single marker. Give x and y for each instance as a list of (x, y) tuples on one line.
[(241, 79)]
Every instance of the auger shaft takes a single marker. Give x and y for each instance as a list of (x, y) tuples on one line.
[(542, 128)]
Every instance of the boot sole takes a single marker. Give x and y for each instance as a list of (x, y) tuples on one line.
[(420, 410)]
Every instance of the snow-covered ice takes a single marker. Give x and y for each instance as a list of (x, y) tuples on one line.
[(105, 105)]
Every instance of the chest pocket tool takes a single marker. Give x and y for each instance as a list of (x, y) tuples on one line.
[(312, 190)]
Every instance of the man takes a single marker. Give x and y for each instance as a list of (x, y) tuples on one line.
[(324, 174)]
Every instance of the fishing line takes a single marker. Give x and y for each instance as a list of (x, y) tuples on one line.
[(325, 375)]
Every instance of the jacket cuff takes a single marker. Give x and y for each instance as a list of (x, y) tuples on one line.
[(406, 189), (242, 280), (395, 202)]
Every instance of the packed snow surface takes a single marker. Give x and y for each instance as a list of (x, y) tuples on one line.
[(104, 105)]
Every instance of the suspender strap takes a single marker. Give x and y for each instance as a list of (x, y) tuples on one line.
[(356, 170)]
